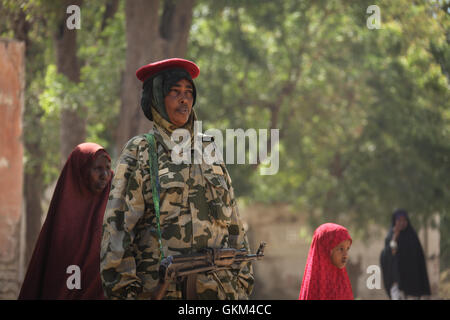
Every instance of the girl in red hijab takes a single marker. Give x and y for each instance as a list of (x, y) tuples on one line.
[(325, 276), (69, 242)]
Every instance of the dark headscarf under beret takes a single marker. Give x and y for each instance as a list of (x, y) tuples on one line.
[(158, 86)]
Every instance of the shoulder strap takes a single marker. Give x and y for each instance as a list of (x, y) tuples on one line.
[(153, 162)]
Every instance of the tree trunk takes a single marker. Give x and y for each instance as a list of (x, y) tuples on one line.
[(33, 195), (33, 176), (12, 80), (110, 10), (149, 38), (73, 126)]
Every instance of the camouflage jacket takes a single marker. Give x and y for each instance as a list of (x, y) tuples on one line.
[(197, 210)]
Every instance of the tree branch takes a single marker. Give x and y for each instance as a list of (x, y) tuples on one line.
[(110, 11)]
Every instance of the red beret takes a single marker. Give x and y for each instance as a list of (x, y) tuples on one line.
[(145, 72)]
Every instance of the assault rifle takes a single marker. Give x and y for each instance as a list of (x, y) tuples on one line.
[(179, 267)]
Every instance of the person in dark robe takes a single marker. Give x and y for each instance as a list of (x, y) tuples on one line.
[(66, 260), (402, 260)]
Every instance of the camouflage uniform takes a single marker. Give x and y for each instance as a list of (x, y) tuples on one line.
[(197, 210)]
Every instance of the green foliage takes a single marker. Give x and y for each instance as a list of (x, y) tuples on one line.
[(96, 96), (103, 56), (363, 114)]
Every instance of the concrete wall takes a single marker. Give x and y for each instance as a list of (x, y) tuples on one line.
[(12, 80)]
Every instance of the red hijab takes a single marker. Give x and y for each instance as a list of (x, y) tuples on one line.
[(71, 234), (322, 280)]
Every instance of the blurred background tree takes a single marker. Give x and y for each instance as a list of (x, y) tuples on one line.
[(363, 114)]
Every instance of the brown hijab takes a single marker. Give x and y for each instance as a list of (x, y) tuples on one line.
[(71, 234)]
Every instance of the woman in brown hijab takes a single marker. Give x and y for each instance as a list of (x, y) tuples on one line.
[(66, 259)]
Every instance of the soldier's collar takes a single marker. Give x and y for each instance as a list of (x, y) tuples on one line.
[(163, 137), (161, 122)]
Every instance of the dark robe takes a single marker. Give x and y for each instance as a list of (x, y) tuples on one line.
[(70, 236), (407, 267)]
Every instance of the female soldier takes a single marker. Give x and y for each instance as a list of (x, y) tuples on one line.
[(196, 203)]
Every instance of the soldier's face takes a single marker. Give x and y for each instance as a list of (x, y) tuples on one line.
[(99, 174), (339, 254), (178, 102)]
